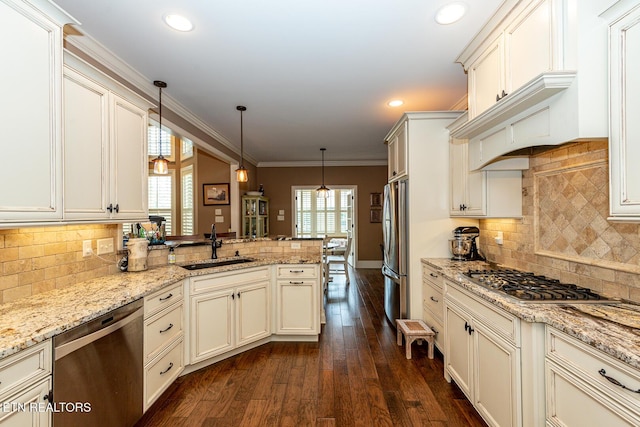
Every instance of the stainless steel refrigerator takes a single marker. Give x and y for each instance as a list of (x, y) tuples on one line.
[(395, 236)]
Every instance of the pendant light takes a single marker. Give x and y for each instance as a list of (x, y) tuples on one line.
[(241, 173), (322, 191), (160, 164)]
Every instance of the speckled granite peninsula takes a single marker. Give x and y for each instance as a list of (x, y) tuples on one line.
[(28, 321), (618, 335)]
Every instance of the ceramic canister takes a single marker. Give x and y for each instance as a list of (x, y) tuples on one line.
[(137, 249)]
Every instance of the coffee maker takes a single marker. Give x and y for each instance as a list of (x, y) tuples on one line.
[(463, 245)]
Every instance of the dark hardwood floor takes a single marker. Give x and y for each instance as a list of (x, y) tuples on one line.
[(356, 375)]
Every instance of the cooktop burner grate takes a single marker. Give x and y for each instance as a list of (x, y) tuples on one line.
[(528, 287)]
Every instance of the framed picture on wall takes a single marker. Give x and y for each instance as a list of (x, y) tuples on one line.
[(215, 194), (376, 215), (376, 199)]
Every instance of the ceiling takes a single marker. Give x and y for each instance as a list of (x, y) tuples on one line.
[(312, 73)]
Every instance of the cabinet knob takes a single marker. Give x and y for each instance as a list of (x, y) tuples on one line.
[(394, 173), (433, 299), (117, 208), (110, 207)]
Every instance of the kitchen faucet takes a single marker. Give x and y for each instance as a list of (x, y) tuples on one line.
[(215, 243)]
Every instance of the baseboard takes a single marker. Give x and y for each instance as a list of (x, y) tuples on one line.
[(369, 264)]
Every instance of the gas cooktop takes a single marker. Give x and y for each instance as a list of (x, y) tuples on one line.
[(528, 287)]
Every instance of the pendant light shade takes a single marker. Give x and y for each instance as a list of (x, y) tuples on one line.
[(241, 173), (322, 191), (160, 164)]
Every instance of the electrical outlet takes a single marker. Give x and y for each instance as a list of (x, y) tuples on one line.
[(295, 245), (86, 248), (499, 238), (105, 246)]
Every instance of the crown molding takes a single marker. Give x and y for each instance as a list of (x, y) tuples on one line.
[(108, 59), (314, 163)]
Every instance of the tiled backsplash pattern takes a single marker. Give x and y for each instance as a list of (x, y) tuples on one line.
[(564, 232), (38, 259)]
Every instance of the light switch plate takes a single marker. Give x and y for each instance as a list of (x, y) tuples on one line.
[(105, 246), (219, 219), (86, 248), (295, 245), (280, 217), (218, 211)]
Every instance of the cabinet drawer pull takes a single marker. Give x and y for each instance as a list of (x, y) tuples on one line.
[(168, 369), (167, 328), (433, 275), (296, 271), (296, 283), (616, 382), (166, 298), (433, 299), (435, 331)]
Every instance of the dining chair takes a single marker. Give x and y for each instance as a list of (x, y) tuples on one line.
[(341, 259)]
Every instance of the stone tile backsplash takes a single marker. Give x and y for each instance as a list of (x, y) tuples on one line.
[(564, 232)]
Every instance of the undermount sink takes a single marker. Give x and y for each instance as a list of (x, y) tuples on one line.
[(212, 264)]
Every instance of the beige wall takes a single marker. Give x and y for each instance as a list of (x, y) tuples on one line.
[(38, 259), (369, 179), (565, 233)]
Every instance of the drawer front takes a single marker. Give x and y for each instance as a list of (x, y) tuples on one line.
[(436, 326), (162, 329), (24, 367), (430, 274), (159, 375), (594, 366), (433, 300), (163, 298), (228, 279), (297, 270), (499, 321)]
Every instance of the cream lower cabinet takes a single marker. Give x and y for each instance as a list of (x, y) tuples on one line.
[(584, 386), (105, 147), (25, 383), (163, 341), (482, 356), (298, 300), (433, 303), (228, 310)]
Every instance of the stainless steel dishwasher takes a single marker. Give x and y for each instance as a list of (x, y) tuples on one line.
[(98, 372)]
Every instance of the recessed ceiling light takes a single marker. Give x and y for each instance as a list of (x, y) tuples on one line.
[(395, 103), (450, 13), (178, 22)]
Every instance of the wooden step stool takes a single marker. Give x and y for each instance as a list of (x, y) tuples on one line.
[(415, 330)]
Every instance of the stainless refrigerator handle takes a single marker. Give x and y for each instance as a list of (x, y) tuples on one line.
[(389, 273)]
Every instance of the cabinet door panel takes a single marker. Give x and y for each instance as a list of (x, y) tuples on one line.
[(30, 104), (253, 314), (528, 45), (297, 307), (496, 383), (485, 79), (86, 162), (458, 350), (129, 138), (211, 325), (458, 172)]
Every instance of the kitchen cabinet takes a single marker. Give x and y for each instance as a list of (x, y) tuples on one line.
[(624, 108), (433, 303), (228, 310), (105, 147), (397, 153), (482, 356), (584, 385), (31, 110), (255, 216), (163, 341), (527, 78), (25, 381), (494, 191), (297, 300)]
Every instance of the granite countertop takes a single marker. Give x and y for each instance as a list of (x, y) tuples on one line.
[(28, 321), (618, 335)]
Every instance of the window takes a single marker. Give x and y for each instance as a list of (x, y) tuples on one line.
[(186, 178), (317, 217), (153, 149), (186, 148), (161, 197)]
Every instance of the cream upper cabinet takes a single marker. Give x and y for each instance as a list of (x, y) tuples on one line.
[(105, 142), (468, 189), (624, 131), (397, 153), (31, 110), (536, 76)]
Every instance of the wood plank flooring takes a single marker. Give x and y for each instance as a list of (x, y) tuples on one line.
[(356, 375)]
